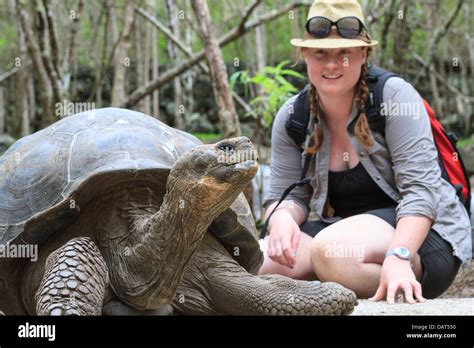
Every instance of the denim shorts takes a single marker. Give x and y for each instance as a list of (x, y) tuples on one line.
[(440, 266)]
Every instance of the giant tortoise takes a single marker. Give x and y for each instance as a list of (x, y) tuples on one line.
[(126, 210)]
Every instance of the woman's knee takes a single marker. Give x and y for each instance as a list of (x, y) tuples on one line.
[(349, 243), (324, 258)]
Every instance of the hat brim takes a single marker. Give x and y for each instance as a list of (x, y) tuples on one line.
[(332, 43)]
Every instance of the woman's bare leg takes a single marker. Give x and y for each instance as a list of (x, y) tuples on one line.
[(303, 269), (351, 252)]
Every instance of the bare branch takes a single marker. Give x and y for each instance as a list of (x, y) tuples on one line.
[(189, 53), (36, 57), (169, 35), (169, 75), (5, 75), (118, 85), (442, 32), (69, 59), (443, 80), (53, 37), (247, 13), (116, 38)]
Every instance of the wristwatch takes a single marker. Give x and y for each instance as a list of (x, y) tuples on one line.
[(400, 252)]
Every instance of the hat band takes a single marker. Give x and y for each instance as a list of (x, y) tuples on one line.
[(363, 36)]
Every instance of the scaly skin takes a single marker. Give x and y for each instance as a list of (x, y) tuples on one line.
[(74, 282), (214, 283)]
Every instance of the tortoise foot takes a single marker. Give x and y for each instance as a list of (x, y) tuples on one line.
[(278, 295), (74, 281)]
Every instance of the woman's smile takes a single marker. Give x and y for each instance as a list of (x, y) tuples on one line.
[(332, 76)]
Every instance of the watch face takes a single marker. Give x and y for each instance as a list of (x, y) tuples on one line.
[(402, 252)]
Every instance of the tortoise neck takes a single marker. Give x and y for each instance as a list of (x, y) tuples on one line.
[(163, 243)]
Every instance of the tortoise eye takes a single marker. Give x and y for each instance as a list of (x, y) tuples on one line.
[(226, 147)]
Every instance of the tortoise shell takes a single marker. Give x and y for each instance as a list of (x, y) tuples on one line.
[(48, 176)]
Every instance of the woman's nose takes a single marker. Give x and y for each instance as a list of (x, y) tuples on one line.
[(332, 62)]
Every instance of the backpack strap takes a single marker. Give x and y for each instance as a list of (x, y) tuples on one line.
[(299, 183), (297, 123), (376, 79), (302, 182)]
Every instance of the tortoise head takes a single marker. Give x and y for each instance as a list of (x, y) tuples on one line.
[(215, 172)]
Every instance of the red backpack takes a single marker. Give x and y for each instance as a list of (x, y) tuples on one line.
[(450, 161)]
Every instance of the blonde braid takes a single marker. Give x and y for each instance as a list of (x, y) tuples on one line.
[(315, 111), (361, 129)]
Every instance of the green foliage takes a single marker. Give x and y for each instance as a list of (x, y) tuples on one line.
[(208, 137), (276, 89), (8, 43), (466, 141), (418, 42)]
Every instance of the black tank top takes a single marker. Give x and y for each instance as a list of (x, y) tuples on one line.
[(353, 192)]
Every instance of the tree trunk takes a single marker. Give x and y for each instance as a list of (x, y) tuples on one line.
[(296, 27), (69, 58), (109, 29), (468, 85), (44, 32), (2, 112), (146, 65), (139, 61), (438, 103), (402, 33), (227, 114), (32, 101), (21, 84), (154, 68), (260, 47), (174, 56), (434, 88), (120, 60), (52, 37), (389, 15), (46, 93), (188, 78)]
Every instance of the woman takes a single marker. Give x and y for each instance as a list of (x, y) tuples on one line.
[(386, 220)]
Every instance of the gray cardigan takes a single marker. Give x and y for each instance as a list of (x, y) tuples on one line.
[(404, 164)]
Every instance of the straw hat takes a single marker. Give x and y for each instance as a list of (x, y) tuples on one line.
[(334, 10)]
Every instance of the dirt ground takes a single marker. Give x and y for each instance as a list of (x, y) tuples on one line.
[(463, 285)]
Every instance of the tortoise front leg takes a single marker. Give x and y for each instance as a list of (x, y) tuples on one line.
[(74, 281), (214, 283)]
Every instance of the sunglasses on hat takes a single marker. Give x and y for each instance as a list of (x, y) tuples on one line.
[(347, 27)]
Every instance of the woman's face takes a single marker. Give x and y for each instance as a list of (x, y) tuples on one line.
[(335, 72)]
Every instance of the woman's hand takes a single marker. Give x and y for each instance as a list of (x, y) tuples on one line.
[(284, 239), (397, 274)]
